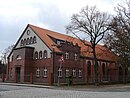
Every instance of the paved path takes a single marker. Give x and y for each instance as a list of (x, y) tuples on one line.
[(31, 92)]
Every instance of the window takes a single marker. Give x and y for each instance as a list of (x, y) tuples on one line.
[(58, 42), (45, 54), (31, 40), (80, 73), (59, 72), (22, 42), (28, 41), (34, 39), (40, 55), (36, 55), (74, 72), (18, 57), (45, 72), (67, 72), (37, 72), (75, 56), (67, 56)]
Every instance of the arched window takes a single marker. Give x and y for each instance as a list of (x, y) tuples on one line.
[(45, 54), (89, 68), (24, 43), (31, 40), (34, 39), (40, 55), (18, 57), (36, 55), (28, 41), (21, 44), (103, 69)]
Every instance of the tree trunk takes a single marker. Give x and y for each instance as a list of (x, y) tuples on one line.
[(95, 67)]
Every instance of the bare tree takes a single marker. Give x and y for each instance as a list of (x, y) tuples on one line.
[(92, 24), (5, 54), (119, 38)]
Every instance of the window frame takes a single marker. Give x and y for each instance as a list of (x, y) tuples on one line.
[(59, 72), (67, 55), (67, 72), (79, 73), (45, 72), (40, 55), (36, 55), (45, 54), (74, 72), (75, 56), (38, 72)]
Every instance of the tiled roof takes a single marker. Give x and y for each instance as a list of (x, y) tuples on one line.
[(101, 51)]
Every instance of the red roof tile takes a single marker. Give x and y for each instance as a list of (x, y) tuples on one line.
[(101, 51)]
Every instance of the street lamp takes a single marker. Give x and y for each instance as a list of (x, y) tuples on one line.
[(53, 61)]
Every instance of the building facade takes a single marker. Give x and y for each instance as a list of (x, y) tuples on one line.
[(47, 57)]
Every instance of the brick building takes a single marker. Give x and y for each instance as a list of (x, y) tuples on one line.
[(44, 56)]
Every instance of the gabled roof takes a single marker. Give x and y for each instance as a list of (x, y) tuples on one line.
[(101, 51)]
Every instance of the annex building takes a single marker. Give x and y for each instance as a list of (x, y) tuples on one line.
[(44, 56)]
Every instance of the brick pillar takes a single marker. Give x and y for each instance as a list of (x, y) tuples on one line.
[(51, 79)]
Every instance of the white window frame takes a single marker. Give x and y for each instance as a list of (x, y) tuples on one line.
[(45, 72), (38, 72), (60, 72), (74, 72), (67, 72), (67, 55), (75, 56), (80, 73)]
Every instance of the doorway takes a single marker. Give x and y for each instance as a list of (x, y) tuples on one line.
[(120, 74), (18, 73)]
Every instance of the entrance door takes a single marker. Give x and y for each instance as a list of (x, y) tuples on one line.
[(120, 74), (18, 73)]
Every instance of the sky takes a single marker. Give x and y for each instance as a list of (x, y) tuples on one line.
[(48, 14)]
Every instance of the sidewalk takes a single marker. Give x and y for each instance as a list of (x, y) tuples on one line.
[(80, 87), (27, 85)]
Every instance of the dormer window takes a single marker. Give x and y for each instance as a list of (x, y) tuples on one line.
[(58, 42), (67, 55), (75, 56)]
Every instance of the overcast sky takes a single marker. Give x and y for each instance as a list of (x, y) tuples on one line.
[(49, 14)]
